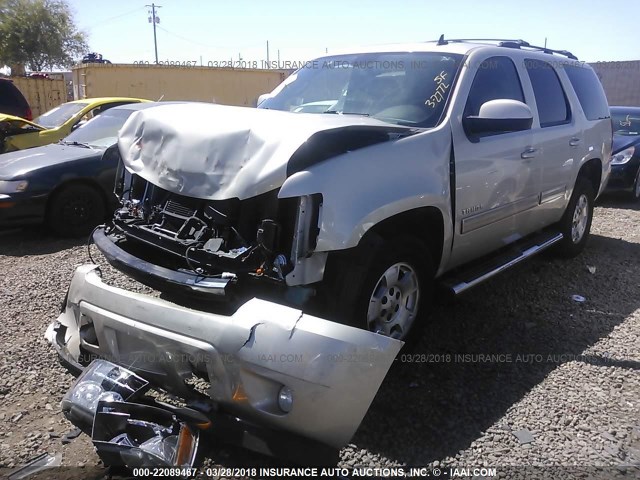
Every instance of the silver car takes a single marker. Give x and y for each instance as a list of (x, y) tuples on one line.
[(359, 184)]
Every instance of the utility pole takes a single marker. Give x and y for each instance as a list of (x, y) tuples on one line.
[(154, 19)]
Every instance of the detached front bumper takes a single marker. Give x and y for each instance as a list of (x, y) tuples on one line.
[(268, 364)]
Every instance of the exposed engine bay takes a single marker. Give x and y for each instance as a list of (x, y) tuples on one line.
[(213, 196), (261, 237)]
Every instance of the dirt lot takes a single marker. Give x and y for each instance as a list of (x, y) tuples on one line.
[(515, 373)]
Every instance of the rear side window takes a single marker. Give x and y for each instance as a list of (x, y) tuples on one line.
[(589, 91), (552, 102), (496, 78)]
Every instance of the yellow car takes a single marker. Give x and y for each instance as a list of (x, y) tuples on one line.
[(17, 133)]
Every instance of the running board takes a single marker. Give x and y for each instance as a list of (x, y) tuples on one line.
[(463, 280)]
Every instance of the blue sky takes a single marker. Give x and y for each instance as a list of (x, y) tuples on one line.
[(217, 30)]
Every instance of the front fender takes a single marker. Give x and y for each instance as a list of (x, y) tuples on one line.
[(364, 187)]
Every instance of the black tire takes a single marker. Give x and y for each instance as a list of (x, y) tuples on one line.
[(75, 210), (573, 242), (635, 191), (352, 279)]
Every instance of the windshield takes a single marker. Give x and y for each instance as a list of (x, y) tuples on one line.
[(101, 131), (626, 122), (59, 115), (402, 88)]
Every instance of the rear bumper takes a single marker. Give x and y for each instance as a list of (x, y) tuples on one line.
[(332, 371)]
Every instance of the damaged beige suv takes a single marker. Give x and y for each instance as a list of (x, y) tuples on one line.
[(361, 183)]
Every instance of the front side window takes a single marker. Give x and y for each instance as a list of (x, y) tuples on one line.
[(401, 88), (496, 78), (552, 103)]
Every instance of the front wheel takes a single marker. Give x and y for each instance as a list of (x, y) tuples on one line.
[(576, 221), (75, 210), (391, 293), (394, 301)]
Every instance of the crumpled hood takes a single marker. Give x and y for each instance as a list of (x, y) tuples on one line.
[(17, 123), (15, 165), (217, 152)]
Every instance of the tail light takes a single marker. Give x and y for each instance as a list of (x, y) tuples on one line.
[(29, 115)]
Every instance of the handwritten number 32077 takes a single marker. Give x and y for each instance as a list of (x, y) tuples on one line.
[(441, 88)]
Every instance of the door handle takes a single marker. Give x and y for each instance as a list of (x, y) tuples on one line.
[(574, 142), (529, 153)]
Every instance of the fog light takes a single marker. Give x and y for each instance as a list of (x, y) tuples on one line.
[(285, 399)]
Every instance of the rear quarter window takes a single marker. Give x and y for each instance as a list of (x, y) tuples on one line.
[(589, 91)]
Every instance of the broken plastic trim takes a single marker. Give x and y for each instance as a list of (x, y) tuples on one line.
[(135, 435), (328, 144), (155, 275), (37, 464), (101, 380)]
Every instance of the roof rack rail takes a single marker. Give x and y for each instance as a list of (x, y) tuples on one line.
[(507, 42)]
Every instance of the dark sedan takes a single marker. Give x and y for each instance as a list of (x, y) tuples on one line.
[(67, 185), (625, 159)]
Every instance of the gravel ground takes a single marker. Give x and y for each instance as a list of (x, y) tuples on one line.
[(515, 373)]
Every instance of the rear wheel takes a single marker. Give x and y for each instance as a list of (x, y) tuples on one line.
[(576, 221), (75, 210), (389, 293)]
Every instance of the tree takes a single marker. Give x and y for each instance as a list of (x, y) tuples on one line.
[(39, 33)]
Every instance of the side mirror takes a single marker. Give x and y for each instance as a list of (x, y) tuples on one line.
[(499, 116)]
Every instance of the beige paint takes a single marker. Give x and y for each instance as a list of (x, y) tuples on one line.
[(42, 93), (620, 81), (225, 86)]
